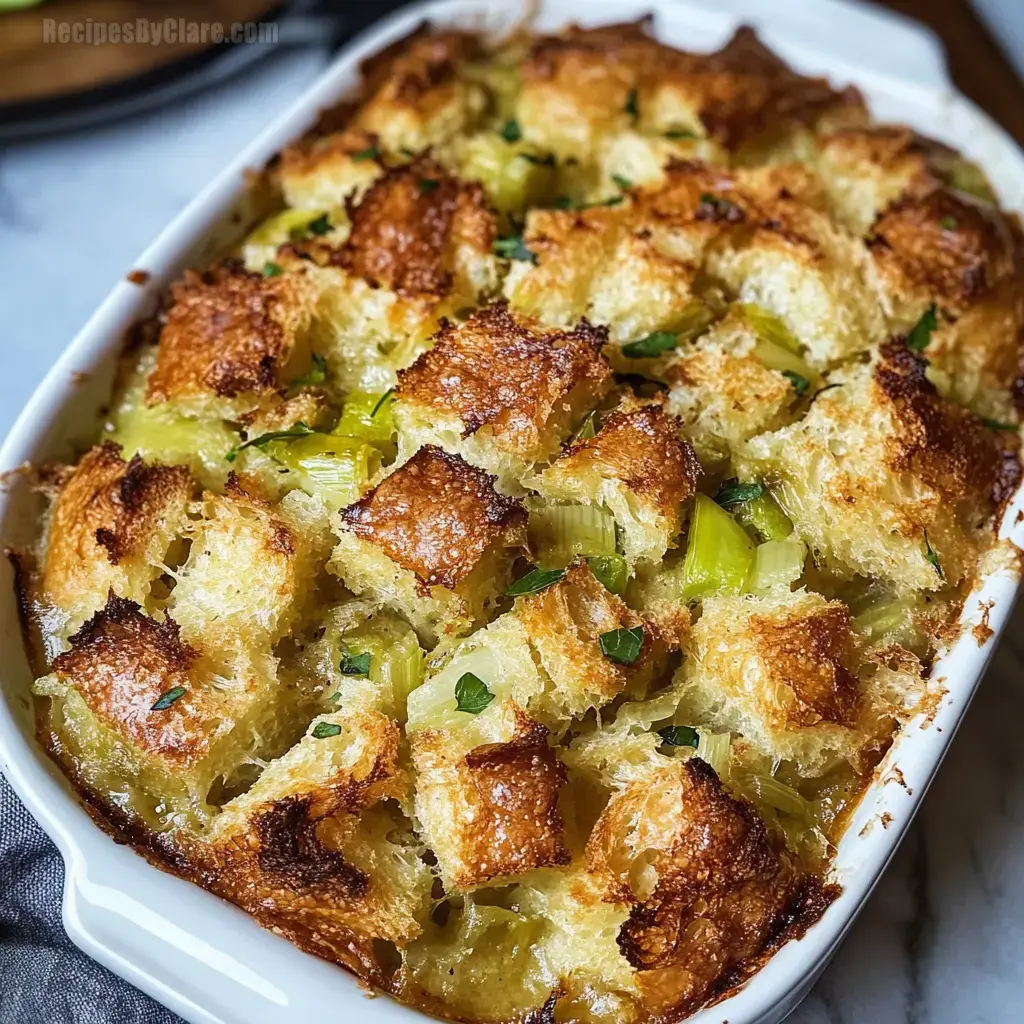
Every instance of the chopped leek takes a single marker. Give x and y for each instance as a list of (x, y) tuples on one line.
[(769, 327), (719, 554), (776, 357), (513, 176), (765, 517), (367, 416), (316, 374), (288, 224), (891, 621), (770, 791), (777, 563), (611, 572), (715, 748), (695, 317), (335, 468), (262, 440), (390, 656), (558, 533)]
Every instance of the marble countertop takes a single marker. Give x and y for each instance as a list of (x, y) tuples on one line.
[(941, 940)]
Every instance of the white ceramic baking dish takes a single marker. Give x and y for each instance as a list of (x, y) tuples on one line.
[(209, 961)]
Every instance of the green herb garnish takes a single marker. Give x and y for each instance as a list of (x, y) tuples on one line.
[(317, 373), (921, 333), (355, 664), (511, 131), (380, 401), (631, 106), (681, 133), (370, 153), (324, 730), (428, 185), (271, 269), (562, 203), (471, 694), (299, 430), (679, 736), (165, 700), (997, 425), (622, 645), (932, 557), (621, 182), (513, 248), (732, 493), (320, 226), (587, 429), (948, 223), (534, 582), (800, 384), (653, 345)]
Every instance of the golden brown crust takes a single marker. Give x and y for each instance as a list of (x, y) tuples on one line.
[(407, 226), (948, 448), (503, 371), (736, 93), (942, 246), (229, 333), (121, 662), (641, 447), (503, 799), (107, 513), (436, 516), (723, 881), (809, 656)]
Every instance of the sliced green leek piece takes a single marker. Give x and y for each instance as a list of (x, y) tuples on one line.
[(332, 467), (770, 328), (777, 563), (558, 533), (367, 416), (719, 554), (611, 572)]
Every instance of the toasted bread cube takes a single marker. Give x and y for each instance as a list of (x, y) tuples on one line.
[(587, 83), (884, 478), (707, 883), (564, 624), (644, 160), (323, 171), (865, 169), (489, 812), (631, 266), (318, 851), (500, 391), (939, 249), (434, 541), (721, 392), (637, 467), (139, 716), (788, 672), (231, 338), (416, 98), (251, 572), (111, 529), (796, 263)]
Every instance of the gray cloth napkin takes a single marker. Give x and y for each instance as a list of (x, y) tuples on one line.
[(44, 978)]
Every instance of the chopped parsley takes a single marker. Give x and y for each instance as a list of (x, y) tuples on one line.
[(681, 133), (800, 384), (428, 185), (622, 645), (271, 269), (513, 248), (380, 402), (324, 730), (299, 430), (540, 161), (320, 226), (165, 700), (631, 106), (622, 182), (370, 153), (653, 345), (997, 425), (511, 132), (821, 391), (355, 664), (679, 736), (948, 223), (562, 203), (732, 493), (534, 582), (921, 333), (932, 557), (316, 374), (471, 694)]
